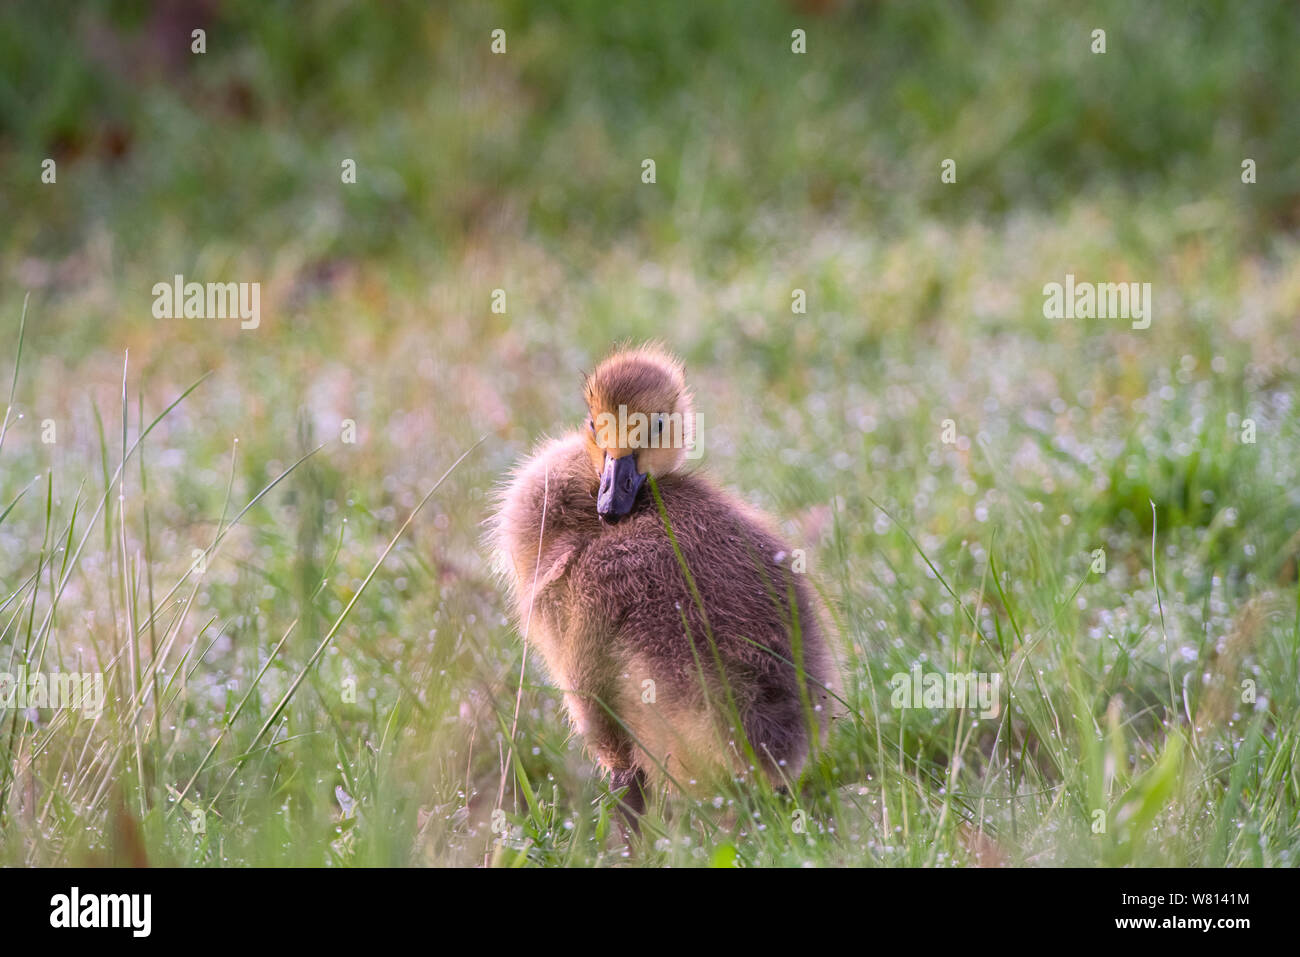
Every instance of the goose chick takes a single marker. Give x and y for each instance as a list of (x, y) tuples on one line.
[(679, 645)]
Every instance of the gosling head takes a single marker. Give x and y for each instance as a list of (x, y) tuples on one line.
[(640, 423)]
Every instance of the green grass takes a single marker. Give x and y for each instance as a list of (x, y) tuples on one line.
[(231, 687)]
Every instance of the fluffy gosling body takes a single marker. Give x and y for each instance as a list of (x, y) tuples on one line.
[(656, 674)]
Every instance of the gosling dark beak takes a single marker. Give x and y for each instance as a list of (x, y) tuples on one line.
[(619, 485)]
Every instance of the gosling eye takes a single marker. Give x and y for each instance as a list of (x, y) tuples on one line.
[(591, 425), (658, 423)]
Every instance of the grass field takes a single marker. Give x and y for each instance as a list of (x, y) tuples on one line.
[(1106, 516)]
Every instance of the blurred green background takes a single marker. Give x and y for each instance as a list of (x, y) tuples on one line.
[(775, 171)]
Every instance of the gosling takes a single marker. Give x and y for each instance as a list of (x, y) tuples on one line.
[(687, 650)]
